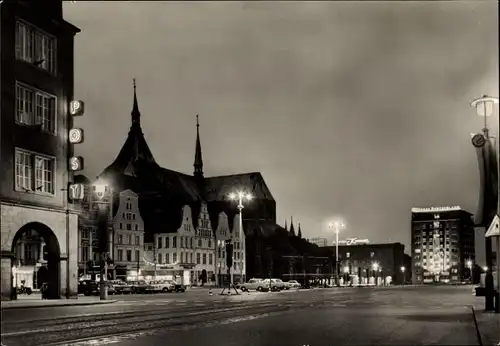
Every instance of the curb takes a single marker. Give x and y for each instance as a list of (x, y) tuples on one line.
[(100, 302), (478, 332)]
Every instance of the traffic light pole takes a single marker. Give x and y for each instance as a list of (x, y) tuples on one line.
[(229, 263)]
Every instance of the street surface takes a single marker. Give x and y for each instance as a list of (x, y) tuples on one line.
[(435, 315)]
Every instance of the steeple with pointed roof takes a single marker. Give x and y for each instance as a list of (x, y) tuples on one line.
[(292, 229), (299, 233), (135, 150), (136, 115), (198, 159), (286, 225)]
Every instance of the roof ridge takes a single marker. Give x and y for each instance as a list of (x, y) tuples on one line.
[(233, 175)]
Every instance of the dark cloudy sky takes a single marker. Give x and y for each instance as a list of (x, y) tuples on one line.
[(356, 109)]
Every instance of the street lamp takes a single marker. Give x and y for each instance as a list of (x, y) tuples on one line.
[(469, 265), (375, 268), (101, 190), (240, 196), (484, 107), (336, 226), (403, 272)]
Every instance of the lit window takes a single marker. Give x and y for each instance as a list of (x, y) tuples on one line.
[(35, 108), (35, 47)]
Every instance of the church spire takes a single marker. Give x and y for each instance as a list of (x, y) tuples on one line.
[(299, 233), (292, 229), (286, 225), (136, 115), (198, 159)]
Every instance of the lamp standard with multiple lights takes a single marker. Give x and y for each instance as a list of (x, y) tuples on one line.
[(104, 196), (336, 226), (240, 196)]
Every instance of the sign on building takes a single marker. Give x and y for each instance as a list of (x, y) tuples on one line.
[(76, 108), (76, 191)]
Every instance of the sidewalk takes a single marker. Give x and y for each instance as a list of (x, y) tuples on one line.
[(32, 302), (488, 324)]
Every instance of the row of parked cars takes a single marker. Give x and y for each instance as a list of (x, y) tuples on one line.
[(91, 287), (262, 285)]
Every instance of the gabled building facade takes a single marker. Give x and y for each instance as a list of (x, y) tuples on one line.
[(186, 217)]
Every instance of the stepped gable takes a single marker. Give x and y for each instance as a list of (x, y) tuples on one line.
[(218, 188)]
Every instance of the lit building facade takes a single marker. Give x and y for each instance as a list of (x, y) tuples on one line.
[(36, 85), (442, 241), (371, 264), (321, 242)]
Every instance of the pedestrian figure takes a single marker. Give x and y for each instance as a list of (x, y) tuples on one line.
[(210, 292), (44, 290)]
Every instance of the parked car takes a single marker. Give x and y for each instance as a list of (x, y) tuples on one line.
[(88, 287), (163, 286), (141, 286), (274, 284), (252, 284), (292, 284), (121, 287)]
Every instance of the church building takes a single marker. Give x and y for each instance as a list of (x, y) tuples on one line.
[(185, 218)]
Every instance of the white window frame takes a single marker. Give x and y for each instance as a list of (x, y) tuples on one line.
[(33, 179), (38, 108), (33, 44)]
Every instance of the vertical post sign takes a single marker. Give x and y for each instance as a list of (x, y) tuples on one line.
[(75, 163)]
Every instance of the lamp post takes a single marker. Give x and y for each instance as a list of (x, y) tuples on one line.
[(346, 274), (101, 191), (375, 268), (240, 196), (403, 272), (484, 107), (469, 265), (336, 226)]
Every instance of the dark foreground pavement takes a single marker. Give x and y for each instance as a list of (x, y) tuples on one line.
[(357, 316)]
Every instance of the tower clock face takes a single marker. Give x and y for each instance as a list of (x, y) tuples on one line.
[(478, 140)]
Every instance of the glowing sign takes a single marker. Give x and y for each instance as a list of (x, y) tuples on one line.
[(76, 108), (76, 163), (353, 241), (75, 136), (76, 191), (435, 209)]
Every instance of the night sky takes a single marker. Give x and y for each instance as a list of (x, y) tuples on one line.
[(357, 110)]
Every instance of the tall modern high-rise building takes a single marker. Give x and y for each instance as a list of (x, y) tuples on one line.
[(442, 245)]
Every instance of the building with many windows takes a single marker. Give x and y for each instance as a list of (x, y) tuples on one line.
[(442, 242), (36, 84), (321, 242), (361, 262)]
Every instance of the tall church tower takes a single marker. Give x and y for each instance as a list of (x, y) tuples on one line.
[(198, 158)]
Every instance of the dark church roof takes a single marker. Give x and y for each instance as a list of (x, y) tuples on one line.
[(163, 192)]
